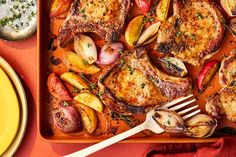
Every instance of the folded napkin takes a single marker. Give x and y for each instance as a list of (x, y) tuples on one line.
[(224, 147)]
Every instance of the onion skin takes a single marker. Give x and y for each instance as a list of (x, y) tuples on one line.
[(85, 47), (200, 126), (110, 53), (67, 119)]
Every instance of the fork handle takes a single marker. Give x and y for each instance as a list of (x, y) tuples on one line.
[(89, 150)]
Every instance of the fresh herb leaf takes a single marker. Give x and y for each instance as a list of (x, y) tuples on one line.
[(151, 19), (193, 36), (178, 33), (93, 86), (199, 16), (142, 85), (168, 122), (125, 118), (129, 120), (131, 70), (89, 45), (75, 90), (65, 103), (122, 63), (2, 1), (85, 62), (99, 94), (121, 52)]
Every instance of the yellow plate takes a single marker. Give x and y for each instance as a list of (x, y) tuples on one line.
[(22, 106), (9, 112)]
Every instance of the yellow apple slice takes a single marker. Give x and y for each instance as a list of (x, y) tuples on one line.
[(134, 29), (78, 64), (90, 100), (162, 10), (74, 80), (89, 118)]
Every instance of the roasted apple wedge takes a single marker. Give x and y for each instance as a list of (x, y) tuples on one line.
[(134, 30), (78, 64), (162, 10), (90, 100), (89, 118), (57, 89), (74, 80)]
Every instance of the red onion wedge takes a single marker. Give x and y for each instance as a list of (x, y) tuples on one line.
[(67, 119), (110, 53)]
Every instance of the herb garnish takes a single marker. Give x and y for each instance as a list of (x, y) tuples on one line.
[(142, 85), (178, 33), (82, 11), (93, 86), (131, 70), (122, 63), (129, 120), (2, 1), (193, 36), (89, 45), (199, 16), (121, 52), (85, 62), (99, 94), (75, 90), (65, 103), (19, 9)]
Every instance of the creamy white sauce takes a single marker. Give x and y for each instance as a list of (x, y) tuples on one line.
[(17, 16)]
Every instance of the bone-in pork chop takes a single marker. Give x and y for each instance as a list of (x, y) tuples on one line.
[(106, 18), (133, 85), (194, 33)]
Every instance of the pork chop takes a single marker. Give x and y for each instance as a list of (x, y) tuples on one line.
[(223, 104), (106, 18), (194, 32), (133, 85), (227, 72)]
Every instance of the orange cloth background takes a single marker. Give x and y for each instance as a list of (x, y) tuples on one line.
[(22, 57)]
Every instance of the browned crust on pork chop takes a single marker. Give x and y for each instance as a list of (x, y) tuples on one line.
[(194, 33)]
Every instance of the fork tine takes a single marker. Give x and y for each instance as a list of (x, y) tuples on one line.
[(191, 114), (181, 105), (187, 110), (171, 103)]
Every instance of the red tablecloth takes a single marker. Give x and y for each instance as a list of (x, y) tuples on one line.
[(225, 147), (22, 57)]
